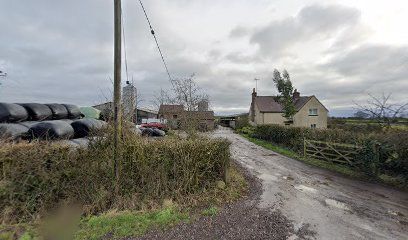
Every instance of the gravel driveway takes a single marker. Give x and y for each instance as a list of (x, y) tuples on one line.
[(291, 200), (318, 200)]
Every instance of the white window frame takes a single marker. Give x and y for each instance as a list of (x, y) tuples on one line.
[(313, 112)]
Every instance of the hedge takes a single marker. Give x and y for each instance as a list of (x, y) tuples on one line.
[(393, 145), (39, 176)]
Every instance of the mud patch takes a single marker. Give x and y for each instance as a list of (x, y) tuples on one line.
[(289, 178), (405, 223), (269, 154), (305, 232)]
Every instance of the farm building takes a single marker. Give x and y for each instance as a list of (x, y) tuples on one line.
[(177, 117)]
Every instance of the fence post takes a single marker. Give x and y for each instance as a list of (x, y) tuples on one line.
[(376, 149), (304, 147)]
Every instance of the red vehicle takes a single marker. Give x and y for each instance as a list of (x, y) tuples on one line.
[(157, 125)]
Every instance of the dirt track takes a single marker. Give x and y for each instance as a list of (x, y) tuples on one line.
[(332, 206)]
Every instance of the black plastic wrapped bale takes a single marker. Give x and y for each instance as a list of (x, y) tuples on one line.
[(147, 132), (73, 111), (28, 124), (13, 131), (10, 112), (83, 127), (37, 111), (50, 130), (158, 132), (59, 111)]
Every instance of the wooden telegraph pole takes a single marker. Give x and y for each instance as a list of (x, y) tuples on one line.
[(116, 88)]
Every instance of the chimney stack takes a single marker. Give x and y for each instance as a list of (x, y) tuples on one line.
[(296, 95), (252, 111)]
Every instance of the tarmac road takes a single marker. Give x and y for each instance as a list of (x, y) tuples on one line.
[(319, 201)]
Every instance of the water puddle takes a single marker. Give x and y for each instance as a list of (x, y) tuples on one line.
[(305, 188), (268, 177), (336, 204)]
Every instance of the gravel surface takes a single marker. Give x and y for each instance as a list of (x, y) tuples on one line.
[(321, 201), (296, 201), (241, 220)]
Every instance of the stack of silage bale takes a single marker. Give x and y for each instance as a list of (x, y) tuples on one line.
[(28, 121)]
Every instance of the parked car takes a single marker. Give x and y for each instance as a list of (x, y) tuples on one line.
[(157, 125)]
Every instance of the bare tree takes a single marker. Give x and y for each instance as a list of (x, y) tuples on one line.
[(380, 109), (163, 97), (185, 91), (188, 93)]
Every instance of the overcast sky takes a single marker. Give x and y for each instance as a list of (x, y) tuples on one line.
[(62, 51)]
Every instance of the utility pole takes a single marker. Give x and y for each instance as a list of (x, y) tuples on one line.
[(117, 121), (256, 84)]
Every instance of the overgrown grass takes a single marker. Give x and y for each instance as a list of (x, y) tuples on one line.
[(128, 224), (211, 211), (121, 224), (342, 169)]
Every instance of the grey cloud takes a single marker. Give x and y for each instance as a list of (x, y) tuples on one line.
[(374, 63), (310, 23), (239, 31)]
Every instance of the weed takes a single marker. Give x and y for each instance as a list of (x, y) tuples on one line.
[(211, 211), (128, 224)]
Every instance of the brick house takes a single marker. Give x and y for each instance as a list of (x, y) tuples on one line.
[(177, 117)]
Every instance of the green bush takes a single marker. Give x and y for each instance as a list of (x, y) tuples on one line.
[(242, 122), (246, 130), (392, 145), (37, 177)]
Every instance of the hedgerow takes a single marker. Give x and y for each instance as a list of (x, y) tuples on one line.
[(38, 177), (392, 145)]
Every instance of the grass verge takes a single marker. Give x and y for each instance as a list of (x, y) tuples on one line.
[(122, 224), (342, 169), (125, 224)]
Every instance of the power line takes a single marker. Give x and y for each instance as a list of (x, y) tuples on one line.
[(124, 47), (155, 39)]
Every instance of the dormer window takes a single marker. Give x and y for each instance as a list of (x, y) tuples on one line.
[(312, 111)]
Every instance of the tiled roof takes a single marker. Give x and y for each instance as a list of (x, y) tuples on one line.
[(171, 108), (203, 115), (270, 103)]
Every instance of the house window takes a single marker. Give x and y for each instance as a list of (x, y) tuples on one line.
[(313, 126), (313, 112)]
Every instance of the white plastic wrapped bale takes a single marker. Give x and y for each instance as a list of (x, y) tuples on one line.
[(10, 112)]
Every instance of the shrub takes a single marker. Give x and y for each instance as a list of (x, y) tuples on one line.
[(246, 130), (37, 177), (392, 145), (241, 122)]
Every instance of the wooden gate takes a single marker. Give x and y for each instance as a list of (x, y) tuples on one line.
[(332, 152)]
